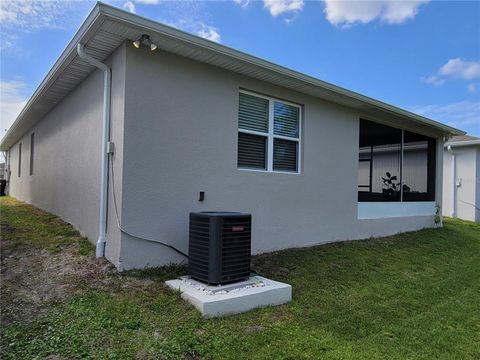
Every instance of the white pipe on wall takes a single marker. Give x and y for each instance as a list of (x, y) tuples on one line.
[(454, 181), (107, 84)]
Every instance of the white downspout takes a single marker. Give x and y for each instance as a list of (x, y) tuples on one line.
[(107, 82), (454, 181)]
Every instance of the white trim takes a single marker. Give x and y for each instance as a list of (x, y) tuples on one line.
[(271, 127), (283, 137), (253, 132), (269, 172), (401, 165), (379, 210), (270, 98), (454, 189), (264, 134), (462, 143), (271, 136)]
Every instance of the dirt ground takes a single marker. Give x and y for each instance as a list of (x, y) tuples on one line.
[(45, 261), (32, 278)]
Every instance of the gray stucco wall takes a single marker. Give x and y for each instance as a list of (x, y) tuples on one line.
[(174, 126), (67, 148), (181, 121)]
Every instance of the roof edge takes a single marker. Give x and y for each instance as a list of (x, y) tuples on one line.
[(92, 18), (462, 143), (101, 10), (239, 55)]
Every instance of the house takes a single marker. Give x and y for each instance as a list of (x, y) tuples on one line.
[(123, 142), (461, 178)]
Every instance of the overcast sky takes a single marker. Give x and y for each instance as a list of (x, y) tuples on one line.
[(420, 55)]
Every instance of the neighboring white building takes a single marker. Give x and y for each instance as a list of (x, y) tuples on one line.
[(461, 178)]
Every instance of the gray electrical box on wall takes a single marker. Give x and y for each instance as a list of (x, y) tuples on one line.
[(219, 246)]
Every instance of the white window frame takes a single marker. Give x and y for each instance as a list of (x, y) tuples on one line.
[(271, 136)]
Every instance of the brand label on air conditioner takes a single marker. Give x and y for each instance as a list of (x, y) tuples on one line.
[(238, 228)]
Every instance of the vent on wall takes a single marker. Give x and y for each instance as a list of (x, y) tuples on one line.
[(219, 247)]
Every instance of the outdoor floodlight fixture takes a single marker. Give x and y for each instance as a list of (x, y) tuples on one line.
[(145, 40)]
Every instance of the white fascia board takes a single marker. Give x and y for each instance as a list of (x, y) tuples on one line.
[(463, 143)]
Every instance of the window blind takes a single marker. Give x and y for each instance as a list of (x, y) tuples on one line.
[(252, 151), (253, 113), (285, 155)]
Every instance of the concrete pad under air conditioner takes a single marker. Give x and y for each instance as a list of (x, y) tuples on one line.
[(213, 301)]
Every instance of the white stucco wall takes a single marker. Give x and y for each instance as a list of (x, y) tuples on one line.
[(181, 121), (468, 179)]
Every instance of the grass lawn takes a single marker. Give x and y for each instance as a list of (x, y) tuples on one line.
[(409, 296)]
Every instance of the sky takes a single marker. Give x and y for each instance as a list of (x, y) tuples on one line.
[(420, 55)]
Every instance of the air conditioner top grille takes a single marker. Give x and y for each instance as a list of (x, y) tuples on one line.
[(227, 214)]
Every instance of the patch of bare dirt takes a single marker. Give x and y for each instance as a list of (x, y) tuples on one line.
[(32, 279)]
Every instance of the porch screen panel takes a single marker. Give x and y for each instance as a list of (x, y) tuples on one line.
[(395, 164), (380, 147), (364, 169), (419, 157)]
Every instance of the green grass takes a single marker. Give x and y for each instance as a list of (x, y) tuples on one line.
[(23, 224), (409, 296)]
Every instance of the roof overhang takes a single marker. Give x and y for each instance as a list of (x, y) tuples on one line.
[(107, 27), (463, 143)]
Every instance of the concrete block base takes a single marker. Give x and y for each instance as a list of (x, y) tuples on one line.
[(214, 301)]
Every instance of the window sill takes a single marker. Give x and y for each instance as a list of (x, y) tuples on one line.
[(379, 210), (269, 172)]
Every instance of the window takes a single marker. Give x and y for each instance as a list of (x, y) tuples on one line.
[(19, 159), (268, 134), (419, 162), (32, 144), (395, 165)]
